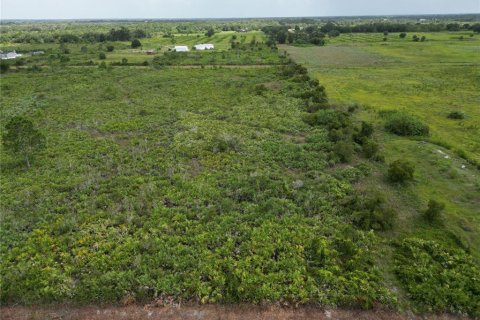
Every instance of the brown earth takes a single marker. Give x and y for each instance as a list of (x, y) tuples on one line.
[(203, 312)]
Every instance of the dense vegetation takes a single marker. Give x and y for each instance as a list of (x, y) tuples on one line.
[(226, 176)]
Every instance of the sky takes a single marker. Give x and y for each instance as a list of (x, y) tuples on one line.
[(172, 9)]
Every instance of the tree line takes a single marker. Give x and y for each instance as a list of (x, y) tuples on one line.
[(120, 34), (315, 34)]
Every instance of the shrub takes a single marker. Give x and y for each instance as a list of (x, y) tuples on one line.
[(226, 142), (344, 151), (365, 132), (370, 148), (136, 43), (333, 119), (437, 278), (404, 124), (102, 56), (402, 35), (433, 211), (456, 115), (22, 139), (400, 171), (260, 89), (373, 213), (110, 48), (415, 38), (4, 66), (124, 61)]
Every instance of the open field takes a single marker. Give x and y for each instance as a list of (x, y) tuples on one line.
[(428, 80), (228, 177)]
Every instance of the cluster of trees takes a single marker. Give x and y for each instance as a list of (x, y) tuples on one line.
[(316, 33), (284, 34), (120, 34)]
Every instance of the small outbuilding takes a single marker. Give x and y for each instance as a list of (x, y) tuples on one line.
[(181, 49), (204, 46), (9, 55)]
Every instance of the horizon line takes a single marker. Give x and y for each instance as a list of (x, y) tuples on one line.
[(239, 18)]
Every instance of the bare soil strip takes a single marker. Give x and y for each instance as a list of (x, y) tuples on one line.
[(207, 312)]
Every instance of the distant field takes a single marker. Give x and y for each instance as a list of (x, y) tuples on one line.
[(428, 79), (157, 42)]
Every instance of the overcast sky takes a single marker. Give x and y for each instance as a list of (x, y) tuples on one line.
[(91, 9)]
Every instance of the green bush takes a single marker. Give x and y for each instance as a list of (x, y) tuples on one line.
[(400, 171), (404, 124), (372, 212), (102, 56), (4, 66), (438, 279), (433, 211), (136, 43), (365, 132), (226, 142), (344, 151), (456, 115), (260, 89), (333, 119), (370, 148), (21, 139)]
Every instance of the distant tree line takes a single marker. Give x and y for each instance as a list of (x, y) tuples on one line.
[(121, 34), (315, 34)]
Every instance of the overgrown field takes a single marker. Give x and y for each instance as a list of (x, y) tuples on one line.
[(176, 182), (244, 184)]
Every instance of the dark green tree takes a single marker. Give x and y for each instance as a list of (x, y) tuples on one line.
[(102, 56), (4, 66), (210, 32), (136, 43), (22, 139)]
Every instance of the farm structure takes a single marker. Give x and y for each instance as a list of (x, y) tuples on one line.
[(181, 49), (204, 46)]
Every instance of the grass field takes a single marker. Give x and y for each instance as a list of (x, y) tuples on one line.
[(428, 80)]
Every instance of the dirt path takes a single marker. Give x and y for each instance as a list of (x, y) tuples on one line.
[(206, 312)]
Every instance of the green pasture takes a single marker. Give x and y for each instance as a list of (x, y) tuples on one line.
[(428, 80)]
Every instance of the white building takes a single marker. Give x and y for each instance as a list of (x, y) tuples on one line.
[(10, 55), (181, 49), (204, 46)]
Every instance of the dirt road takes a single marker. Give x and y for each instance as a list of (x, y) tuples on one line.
[(205, 312)]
